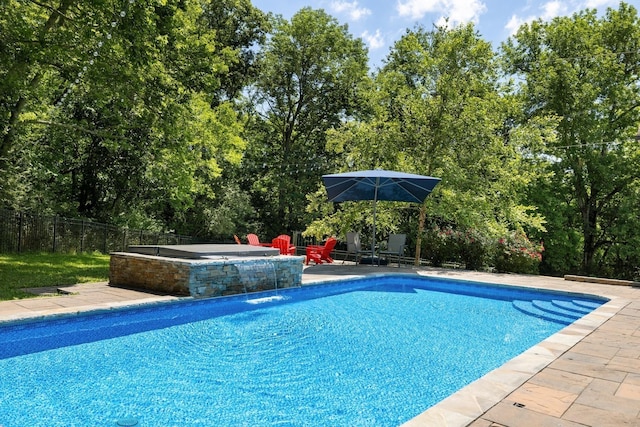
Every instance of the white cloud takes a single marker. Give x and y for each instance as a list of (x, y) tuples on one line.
[(374, 41), (555, 8), (552, 9), (466, 11), (548, 11), (457, 11), (415, 9), (516, 22), (350, 8), (596, 4)]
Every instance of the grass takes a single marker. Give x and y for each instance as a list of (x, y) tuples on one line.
[(18, 271)]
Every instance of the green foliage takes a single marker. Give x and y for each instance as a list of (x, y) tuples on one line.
[(113, 116), (474, 249), (318, 205), (311, 71), (230, 213), (584, 70), (515, 253), (435, 109), (43, 270), (469, 247), (183, 115), (440, 245)]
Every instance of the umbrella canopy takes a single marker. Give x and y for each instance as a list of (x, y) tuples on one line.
[(377, 185)]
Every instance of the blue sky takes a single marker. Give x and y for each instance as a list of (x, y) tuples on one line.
[(381, 22)]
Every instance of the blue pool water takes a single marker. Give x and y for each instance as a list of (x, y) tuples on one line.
[(367, 352)]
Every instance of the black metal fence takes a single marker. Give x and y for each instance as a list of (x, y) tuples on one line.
[(24, 232)]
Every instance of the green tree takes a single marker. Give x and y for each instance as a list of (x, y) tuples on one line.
[(239, 27), (311, 70), (436, 110), (129, 118), (585, 70)]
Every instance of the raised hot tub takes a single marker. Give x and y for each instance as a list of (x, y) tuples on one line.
[(204, 270), (204, 250)]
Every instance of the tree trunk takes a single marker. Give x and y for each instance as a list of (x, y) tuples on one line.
[(589, 222)]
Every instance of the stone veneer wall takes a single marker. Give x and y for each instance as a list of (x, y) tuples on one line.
[(204, 277)]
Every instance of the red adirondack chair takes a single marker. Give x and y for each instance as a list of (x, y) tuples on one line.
[(321, 253), (255, 241), (283, 242)]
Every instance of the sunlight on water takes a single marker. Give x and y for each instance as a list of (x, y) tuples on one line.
[(266, 299)]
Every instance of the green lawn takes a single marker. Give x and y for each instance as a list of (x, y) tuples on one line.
[(19, 271)]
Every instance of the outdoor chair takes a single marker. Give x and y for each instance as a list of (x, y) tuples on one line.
[(237, 239), (321, 253), (395, 246), (354, 246), (283, 243), (255, 241)]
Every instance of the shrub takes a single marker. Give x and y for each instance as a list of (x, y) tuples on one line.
[(440, 245), (473, 249), (444, 244), (517, 254)]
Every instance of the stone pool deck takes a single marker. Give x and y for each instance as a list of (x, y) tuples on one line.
[(588, 374)]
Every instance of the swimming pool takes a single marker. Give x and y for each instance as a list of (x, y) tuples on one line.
[(365, 352)]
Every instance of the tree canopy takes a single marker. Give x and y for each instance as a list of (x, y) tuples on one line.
[(436, 110), (120, 112), (212, 118), (585, 70), (311, 69)]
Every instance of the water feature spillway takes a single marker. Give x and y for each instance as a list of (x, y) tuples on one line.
[(257, 276)]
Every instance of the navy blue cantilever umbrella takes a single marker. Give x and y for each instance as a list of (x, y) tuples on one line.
[(377, 185)]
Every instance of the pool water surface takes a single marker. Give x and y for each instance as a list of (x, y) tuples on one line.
[(375, 351)]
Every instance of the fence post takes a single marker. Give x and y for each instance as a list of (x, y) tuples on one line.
[(82, 236), (106, 236), (20, 222), (55, 226)]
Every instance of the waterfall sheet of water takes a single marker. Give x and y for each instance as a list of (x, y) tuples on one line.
[(255, 273)]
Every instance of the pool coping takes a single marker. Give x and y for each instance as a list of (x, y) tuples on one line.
[(472, 401), (473, 404), (484, 402)]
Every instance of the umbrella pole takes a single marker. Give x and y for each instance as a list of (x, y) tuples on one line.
[(373, 238)]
